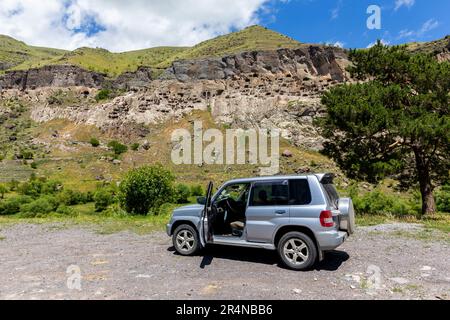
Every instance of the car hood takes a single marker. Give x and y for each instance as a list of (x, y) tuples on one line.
[(190, 210)]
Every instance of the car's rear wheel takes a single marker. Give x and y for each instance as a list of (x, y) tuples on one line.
[(185, 240), (297, 251)]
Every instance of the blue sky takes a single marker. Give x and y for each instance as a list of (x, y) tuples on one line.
[(119, 25), (344, 21)]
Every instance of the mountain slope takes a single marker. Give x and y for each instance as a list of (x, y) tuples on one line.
[(17, 55), (14, 53)]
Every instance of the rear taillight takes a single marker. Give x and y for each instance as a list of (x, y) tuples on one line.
[(326, 219)]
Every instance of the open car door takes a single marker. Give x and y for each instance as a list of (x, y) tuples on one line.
[(206, 232)]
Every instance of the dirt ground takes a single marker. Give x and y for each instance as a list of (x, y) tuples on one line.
[(396, 261)]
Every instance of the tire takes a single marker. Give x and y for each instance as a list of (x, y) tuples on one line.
[(185, 240), (297, 251)]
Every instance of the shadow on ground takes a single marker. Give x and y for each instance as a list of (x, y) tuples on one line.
[(331, 262)]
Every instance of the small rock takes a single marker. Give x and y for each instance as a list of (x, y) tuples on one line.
[(426, 268), (297, 291), (287, 154), (117, 162), (400, 280)]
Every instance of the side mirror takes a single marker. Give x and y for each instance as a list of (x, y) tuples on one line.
[(201, 200)]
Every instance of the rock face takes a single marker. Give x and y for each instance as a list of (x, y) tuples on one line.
[(63, 76), (267, 89), (307, 60), (133, 80), (51, 76)]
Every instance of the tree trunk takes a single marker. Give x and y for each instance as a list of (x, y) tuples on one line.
[(426, 187)]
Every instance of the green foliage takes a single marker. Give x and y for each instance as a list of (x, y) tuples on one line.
[(13, 185), (94, 142), (135, 146), (145, 189), (443, 199), (103, 198), (378, 203), (39, 207), (182, 193), (197, 191), (12, 205), (26, 154), (38, 186), (3, 190), (395, 123), (71, 198), (103, 94), (117, 147)]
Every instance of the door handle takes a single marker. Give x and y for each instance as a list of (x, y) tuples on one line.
[(280, 212)]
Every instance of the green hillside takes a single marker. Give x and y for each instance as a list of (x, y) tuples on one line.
[(17, 55), (251, 38), (433, 47)]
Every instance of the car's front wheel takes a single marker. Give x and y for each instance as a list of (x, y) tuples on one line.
[(185, 240), (297, 251)]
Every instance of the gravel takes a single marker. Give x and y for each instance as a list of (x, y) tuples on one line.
[(46, 262)]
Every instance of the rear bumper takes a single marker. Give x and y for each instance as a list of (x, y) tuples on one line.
[(330, 240)]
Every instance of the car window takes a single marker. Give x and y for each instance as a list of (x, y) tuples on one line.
[(237, 192), (331, 193), (299, 192), (270, 194)]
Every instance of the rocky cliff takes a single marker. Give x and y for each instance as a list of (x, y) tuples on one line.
[(266, 89), (63, 76)]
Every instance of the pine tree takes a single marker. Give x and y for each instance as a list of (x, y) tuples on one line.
[(394, 122)]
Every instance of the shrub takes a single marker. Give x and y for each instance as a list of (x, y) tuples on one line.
[(72, 198), (12, 205), (182, 193), (117, 147), (3, 191), (13, 185), (197, 191), (378, 203), (94, 142), (135, 146), (103, 94), (443, 199), (41, 206), (65, 210), (35, 187), (103, 198), (26, 154), (33, 165), (145, 189)]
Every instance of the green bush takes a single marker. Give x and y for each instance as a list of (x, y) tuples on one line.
[(135, 146), (182, 193), (94, 142), (72, 198), (26, 154), (65, 210), (117, 147), (39, 207), (379, 203), (103, 94), (443, 199), (13, 185), (197, 191), (38, 186), (103, 198), (3, 191), (12, 205), (145, 189)]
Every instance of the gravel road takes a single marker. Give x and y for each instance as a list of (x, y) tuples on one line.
[(384, 262)]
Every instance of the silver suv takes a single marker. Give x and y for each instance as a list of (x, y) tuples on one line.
[(299, 216)]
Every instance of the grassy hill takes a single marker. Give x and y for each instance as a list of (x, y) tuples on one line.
[(433, 47), (16, 55)]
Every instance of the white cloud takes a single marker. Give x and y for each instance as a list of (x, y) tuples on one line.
[(424, 29), (404, 3), (120, 25), (385, 42), (336, 11), (338, 44)]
